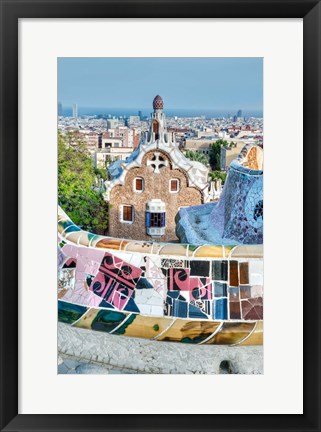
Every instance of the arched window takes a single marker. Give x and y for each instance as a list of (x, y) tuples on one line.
[(156, 129)]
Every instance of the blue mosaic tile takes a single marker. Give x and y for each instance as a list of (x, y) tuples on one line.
[(220, 289), (179, 309), (131, 306), (195, 312), (220, 309), (143, 283)]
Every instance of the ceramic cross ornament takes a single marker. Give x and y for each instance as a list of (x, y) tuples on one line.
[(157, 162)]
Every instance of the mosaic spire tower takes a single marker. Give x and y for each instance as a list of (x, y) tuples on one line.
[(158, 131)]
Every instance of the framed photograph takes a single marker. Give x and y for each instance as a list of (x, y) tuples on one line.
[(160, 215)]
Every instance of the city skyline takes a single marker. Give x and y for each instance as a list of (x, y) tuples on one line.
[(209, 85)]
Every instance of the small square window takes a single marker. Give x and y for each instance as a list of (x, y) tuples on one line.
[(174, 185), (138, 184), (127, 213)]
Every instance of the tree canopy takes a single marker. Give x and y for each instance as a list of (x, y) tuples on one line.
[(218, 175), (196, 156), (215, 153), (77, 194)]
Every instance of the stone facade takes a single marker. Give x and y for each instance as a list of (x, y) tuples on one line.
[(156, 186), (167, 182)]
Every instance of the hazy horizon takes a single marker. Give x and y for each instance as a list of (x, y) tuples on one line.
[(210, 85), (179, 112)]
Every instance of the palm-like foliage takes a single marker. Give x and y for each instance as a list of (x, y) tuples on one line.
[(196, 156)]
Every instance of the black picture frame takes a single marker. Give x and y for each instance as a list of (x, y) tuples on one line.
[(11, 11)]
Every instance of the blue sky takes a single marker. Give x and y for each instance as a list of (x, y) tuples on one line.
[(226, 84)]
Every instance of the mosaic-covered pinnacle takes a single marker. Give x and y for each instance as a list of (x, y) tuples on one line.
[(158, 103)]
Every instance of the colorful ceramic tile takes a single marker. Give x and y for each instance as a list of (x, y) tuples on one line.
[(167, 263), (75, 236), (69, 312), (248, 251), (123, 244), (219, 270), (228, 250), (189, 331), (200, 268), (147, 327), (244, 273), (233, 273), (140, 294), (245, 292), (256, 337), (235, 310), (125, 324), (234, 294), (66, 280), (196, 313), (142, 247), (220, 309), (252, 309), (86, 320), (173, 249), (109, 243), (108, 321), (209, 252), (232, 333), (220, 289), (71, 229), (87, 238)]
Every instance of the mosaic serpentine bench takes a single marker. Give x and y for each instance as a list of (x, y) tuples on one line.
[(163, 291)]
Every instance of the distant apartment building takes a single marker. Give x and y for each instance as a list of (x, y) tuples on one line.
[(228, 154), (91, 139), (105, 156), (133, 119), (205, 133), (130, 136), (112, 123), (201, 145), (124, 133), (110, 142), (111, 149)]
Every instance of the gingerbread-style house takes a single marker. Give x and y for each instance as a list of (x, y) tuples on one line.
[(148, 189)]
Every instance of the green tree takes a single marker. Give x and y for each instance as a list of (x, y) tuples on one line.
[(215, 153), (102, 173), (216, 175), (196, 156), (76, 186)]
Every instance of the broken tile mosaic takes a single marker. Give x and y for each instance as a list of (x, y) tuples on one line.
[(131, 291)]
